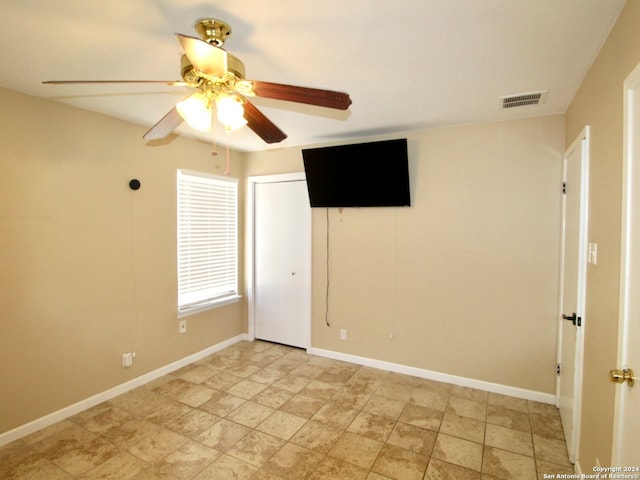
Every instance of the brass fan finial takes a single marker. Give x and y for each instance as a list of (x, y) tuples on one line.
[(213, 31)]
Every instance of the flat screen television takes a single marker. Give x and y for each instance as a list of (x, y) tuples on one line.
[(373, 174)]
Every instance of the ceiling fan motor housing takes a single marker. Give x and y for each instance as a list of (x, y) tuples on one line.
[(213, 31)]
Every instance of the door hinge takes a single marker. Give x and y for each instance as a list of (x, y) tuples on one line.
[(558, 369), (564, 187)]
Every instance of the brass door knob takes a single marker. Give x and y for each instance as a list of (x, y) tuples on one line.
[(621, 376)]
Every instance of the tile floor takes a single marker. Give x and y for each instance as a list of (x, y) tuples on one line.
[(269, 412)]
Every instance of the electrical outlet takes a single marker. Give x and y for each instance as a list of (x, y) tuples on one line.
[(343, 334), (182, 326), (127, 359)]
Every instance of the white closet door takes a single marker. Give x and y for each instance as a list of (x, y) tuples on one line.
[(282, 262)]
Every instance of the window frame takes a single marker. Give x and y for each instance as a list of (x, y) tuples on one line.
[(194, 292)]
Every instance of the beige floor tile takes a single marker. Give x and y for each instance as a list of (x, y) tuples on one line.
[(246, 389), (463, 427), (272, 397), (356, 450), (250, 414), (140, 401), (189, 393), (220, 381), (108, 419), (335, 413), (512, 403), (187, 461), (320, 390), (415, 439), (76, 450), (243, 369), (333, 469), (44, 433), (553, 469), (467, 408), (223, 435), (256, 448), (121, 466), (222, 404), (503, 464), (227, 468), (293, 462), (550, 450), (130, 433), (281, 424), (317, 436), (47, 471), (198, 374), (509, 439), (270, 412), (547, 426), (424, 417), (458, 452), (372, 426), (292, 383), (355, 401), (470, 393), (394, 391), (308, 370), (539, 408), (426, 397), (167, 412), (302, 405), (377, 476), (396, 462), (193, 423), (439, 470), (266, 376), (154, 447), (498, 415), (384, 406)]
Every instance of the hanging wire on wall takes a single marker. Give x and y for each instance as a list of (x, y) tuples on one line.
[(135, 185), (326, 302)]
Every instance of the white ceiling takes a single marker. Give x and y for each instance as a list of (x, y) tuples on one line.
[(407, 64)]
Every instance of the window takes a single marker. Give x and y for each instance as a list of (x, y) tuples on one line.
[(207, 241)]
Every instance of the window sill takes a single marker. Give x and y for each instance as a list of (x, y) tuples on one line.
[(208, 306)]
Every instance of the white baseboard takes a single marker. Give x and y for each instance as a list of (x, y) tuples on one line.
[(66, 412), (437, 376)]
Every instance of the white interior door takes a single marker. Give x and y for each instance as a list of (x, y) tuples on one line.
[(572, 298), (626, 438), (282, 262)]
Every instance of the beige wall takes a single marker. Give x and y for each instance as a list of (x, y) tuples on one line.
[(67, 292), (598, 103), (466, 279)]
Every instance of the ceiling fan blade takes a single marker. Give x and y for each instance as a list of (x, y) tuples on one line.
[(165, 126), (203, 56), (261, 125), (79, 82), (310, 96)]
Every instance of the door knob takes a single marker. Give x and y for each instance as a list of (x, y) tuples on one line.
[(621, 376), (575, 319)]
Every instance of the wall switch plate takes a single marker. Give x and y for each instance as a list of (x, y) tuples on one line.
[(127, 360), (592, 256), (343, 334), (182, 326)]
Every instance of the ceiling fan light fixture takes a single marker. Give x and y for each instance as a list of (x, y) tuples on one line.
[(230, 112), (196, 111)]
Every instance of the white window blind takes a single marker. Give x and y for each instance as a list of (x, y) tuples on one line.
[(207, 240)]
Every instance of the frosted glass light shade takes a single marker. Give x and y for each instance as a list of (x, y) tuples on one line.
[(196, 111), (230, 112)]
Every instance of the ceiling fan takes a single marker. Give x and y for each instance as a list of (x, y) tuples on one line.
[(219, 80)]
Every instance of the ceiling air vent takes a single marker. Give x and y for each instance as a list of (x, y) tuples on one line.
[(522, 99)]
